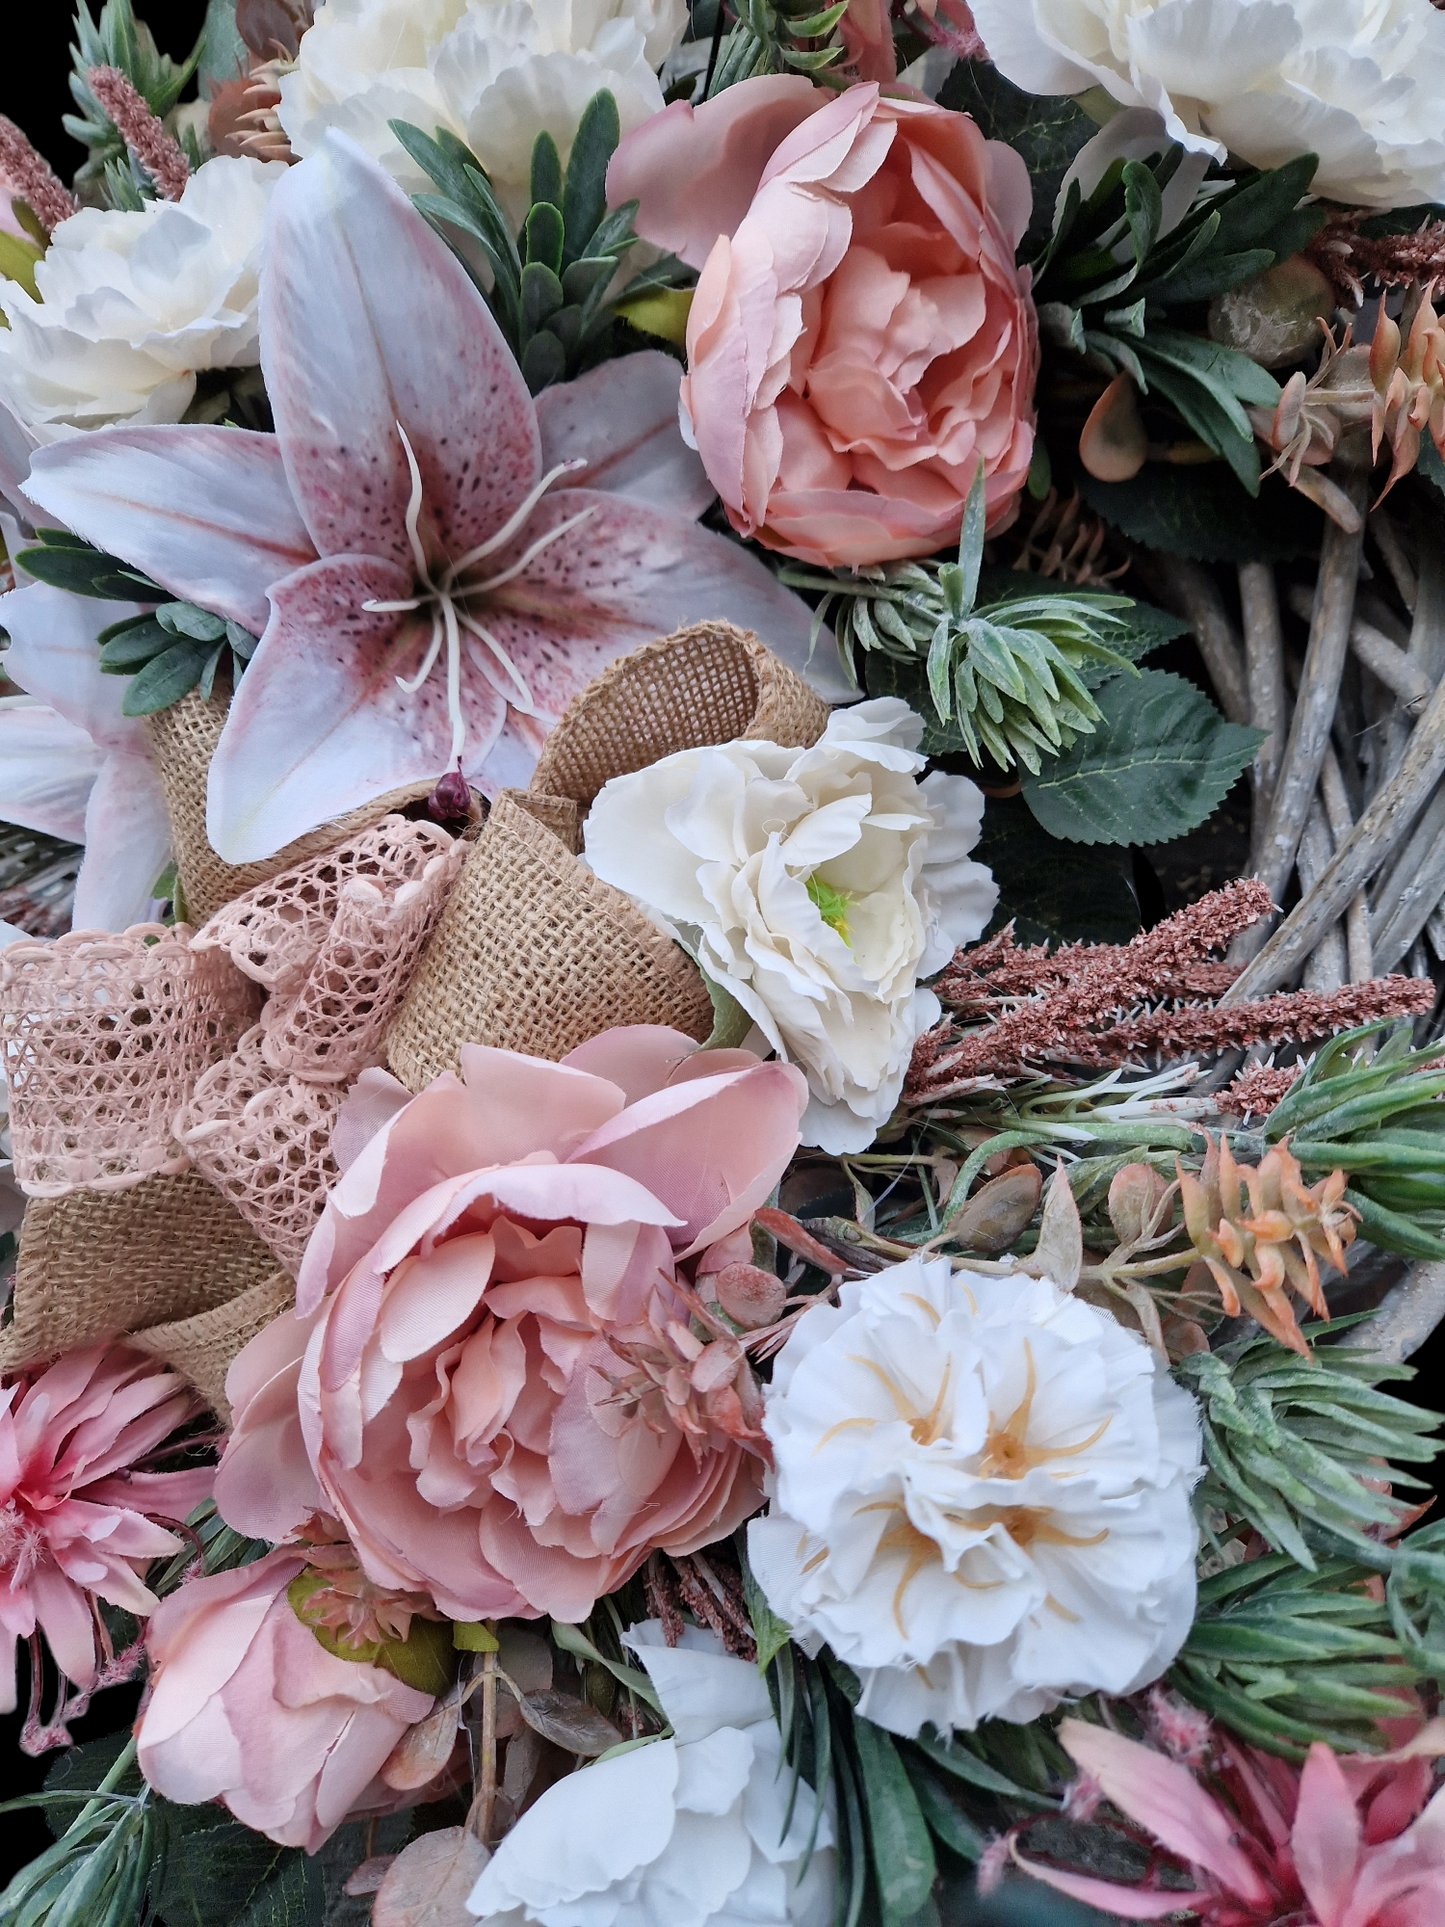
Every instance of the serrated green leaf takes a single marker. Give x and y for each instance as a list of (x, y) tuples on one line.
[(1159, 762), (1203, 513)]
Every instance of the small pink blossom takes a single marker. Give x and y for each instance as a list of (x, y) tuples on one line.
[(76, 1516), (494, 1376), (1344, 1841), (860, 340), (248, 1708)]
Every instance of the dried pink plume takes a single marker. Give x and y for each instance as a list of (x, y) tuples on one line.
[(1099, 1005), (142, 133), (1257, 1089), (28, 174)]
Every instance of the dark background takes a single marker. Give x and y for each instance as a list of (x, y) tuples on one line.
[(35, 73)]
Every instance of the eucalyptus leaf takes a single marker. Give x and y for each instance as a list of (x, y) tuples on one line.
[(569, 1723), (185, 619), (165, 679)]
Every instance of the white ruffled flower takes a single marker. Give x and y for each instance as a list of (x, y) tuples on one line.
[(1265, 80), (494, 72), (132, 305), (685, 1830), (980, 1498), (818, 886)]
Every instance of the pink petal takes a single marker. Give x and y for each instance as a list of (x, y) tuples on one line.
[(638, 1058), (53, 657), (1010, 190), (47, 769), (1128, 1903), (1325, 1838), (64, 1615), (1165, 1797), (695, 170), (127, 845), (318, 724), (206, 512), (373, 1100), (368, 320), (621, 419)]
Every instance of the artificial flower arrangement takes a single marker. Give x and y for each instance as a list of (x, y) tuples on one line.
[(635, 1294)]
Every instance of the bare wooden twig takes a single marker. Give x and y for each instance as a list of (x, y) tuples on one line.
[(1382, 827), (1407, 1314), (1412, 889), (1426, 648), (1325, 967), (1264, 676), (1392, 550), (1382, 657), (1334, 796), (1314, 707), (1191, 589)]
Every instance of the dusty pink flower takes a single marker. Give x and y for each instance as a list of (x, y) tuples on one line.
[(1340, 1842), (75, 1516), (248, 1708), (860, 338), (462, 1382)]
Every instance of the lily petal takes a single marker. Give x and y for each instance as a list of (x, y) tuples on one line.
[(47, 769), (53, 657), (621, 419), (206, 512), (368, 320), (318, 724), (127, 845)]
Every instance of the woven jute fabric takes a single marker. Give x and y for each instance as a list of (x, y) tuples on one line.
[(96, 1264), (103, 1036), (711, 683), (183, 739), (535, 954), (336, 940), (201, 1347), (263, 1138)]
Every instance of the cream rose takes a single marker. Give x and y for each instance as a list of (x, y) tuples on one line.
[(1264, 80), (494, 72), (980, 1498), (132, 305), (818, 886)]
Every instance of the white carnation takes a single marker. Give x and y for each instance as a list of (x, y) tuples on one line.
[(1265, 80), (496, 73), (685, 1830), (133, 304), (980, 1498), (818, 886)]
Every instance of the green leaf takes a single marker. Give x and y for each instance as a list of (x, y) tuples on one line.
[(185, 619), (573, 1640), (125, 646), (1044, 889), (1203, 513), (946, 1822), (903, 1861), (541, 295), (970, 540), (1158, 764), (1250, 216), (1143, 208), (77, 567), (770, 1632), (1198, 280), (165, 679), (1046, 130), (543, 234), (544, 360), (584, 196), (546, 170), (221, 1874)]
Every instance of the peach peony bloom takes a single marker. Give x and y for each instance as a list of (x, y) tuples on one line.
[(860, 338), (248, 1708), (490, 1377), (75, 1522)]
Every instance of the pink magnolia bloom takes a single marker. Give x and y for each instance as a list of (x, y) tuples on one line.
[(860, 339), (1340, 1842), (489, 1377), (425, 596), (248, 1708), (76, 1519)]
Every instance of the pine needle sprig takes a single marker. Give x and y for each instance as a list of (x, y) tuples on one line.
[(1296, 1449)]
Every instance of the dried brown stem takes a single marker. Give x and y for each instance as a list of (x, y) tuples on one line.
[(1193, 592), (1264, 674)]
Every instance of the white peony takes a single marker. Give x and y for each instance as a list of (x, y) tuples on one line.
[(132, 305), (980, 1498), (1358, 82), (685, 1830), (818, 886), (494, 72)]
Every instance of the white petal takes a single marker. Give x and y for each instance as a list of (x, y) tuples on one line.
[(621, 418), (47, 768), (127, 845)]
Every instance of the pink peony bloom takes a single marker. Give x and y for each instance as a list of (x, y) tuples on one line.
[(75, 1518), (248, 1708), (490, 1377), (860, 338), (1340, 1842)]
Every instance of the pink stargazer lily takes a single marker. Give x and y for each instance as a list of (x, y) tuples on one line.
[(435, 598), (1340, 1842)]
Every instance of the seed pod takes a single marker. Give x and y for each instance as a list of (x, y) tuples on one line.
[(995, 1215)]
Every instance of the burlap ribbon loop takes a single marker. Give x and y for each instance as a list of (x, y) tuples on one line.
[(183, 740), (202, 1346), (533, 952), (712, 683)]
